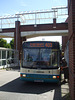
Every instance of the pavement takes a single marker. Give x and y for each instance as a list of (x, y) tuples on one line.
[(64, 89)]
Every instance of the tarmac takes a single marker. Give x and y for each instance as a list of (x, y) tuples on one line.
[(64, 88)]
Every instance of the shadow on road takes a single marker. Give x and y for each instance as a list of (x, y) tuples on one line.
[(18, 86)]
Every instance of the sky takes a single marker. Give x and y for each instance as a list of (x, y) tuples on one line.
[(13, 6)]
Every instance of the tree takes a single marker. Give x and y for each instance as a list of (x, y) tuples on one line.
[(12, 43), (8, 45), (3, 43)]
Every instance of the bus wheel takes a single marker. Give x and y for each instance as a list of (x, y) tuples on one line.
[(59, 83)]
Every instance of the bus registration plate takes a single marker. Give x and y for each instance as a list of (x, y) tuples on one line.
[(38, 80)]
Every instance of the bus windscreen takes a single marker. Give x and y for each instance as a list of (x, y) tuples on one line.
[(43, 58)]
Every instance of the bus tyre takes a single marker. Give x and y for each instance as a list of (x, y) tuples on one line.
[(59, 83)]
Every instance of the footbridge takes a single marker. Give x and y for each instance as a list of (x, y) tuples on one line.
[(35, 23), (24, 25)]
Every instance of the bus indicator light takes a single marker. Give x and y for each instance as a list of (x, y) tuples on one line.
[(20, 75), (57, 76)]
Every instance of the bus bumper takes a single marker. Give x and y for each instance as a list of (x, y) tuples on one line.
[(39, 78)]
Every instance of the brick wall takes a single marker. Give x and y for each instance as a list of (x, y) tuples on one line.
[(71, 27), (64, 41), (72, 67)]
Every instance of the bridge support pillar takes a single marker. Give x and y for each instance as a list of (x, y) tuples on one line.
[(71, 26), (54, 22), (17, 37)]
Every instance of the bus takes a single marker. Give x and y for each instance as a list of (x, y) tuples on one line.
[(40, 61)]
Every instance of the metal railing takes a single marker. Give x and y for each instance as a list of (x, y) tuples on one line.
[(35, 17), (8, 58)]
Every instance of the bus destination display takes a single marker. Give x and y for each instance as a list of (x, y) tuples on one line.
[(40, 44)]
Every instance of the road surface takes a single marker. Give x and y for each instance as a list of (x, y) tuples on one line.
[(12, 88)]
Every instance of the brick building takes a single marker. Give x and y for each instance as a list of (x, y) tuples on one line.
[(71, 39)]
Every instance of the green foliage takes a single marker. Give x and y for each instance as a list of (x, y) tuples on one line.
[(3, 43), (12, 43), (8, 45)]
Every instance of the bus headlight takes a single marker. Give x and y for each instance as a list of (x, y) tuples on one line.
[(24, 75), (54, 77)]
